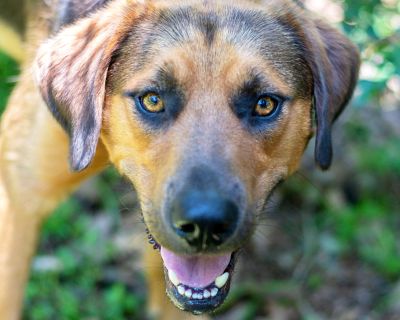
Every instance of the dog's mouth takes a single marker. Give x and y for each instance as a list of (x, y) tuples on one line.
[(197, 284)]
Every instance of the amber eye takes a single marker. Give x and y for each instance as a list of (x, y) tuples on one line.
[(152, 102), (265, 107)]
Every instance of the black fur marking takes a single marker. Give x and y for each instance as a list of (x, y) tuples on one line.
[(71, 10), (209, 26), (299, 3), (52, 104)]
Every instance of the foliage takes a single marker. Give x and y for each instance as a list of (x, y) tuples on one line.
[(8, 72), (374, 25)]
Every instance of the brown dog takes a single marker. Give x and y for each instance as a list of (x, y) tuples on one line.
[(205, 106)]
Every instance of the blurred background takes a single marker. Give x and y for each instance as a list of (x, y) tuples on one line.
[(328, 247)]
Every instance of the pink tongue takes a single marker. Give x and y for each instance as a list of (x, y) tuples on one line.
[(195, 272)]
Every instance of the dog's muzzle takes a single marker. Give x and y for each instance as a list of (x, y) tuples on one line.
[(202, 220), (205, 220)]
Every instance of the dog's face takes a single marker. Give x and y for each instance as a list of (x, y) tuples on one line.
[(205, 107)]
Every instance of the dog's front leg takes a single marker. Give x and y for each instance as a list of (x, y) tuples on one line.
[(34, 177), (18, 234)]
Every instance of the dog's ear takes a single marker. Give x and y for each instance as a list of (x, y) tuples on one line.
[(72, 70), (334, 62)]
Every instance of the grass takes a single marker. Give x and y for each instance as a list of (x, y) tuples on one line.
[(83, 279), (79, 286)]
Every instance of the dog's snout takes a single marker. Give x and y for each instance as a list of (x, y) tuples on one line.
[(205, 219)]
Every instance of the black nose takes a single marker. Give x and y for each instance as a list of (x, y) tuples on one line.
[(204, 218)]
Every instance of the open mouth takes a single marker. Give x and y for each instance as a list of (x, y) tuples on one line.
[(197, 284)]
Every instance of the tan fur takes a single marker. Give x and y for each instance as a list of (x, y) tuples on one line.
[(82, 80)]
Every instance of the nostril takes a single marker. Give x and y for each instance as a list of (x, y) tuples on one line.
[(220, 231), (187, 229), (220, 228)]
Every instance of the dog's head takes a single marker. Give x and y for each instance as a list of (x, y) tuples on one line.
[(205, 106)]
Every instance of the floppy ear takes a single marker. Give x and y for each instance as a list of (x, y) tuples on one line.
[(334, 62), (72, 70)]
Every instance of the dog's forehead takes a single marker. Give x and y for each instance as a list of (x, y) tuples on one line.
[(204, 28)]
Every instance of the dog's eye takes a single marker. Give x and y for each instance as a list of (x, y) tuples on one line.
[(152, 102), (265, 106)]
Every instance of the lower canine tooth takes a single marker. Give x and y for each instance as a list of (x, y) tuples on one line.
[(214, 292), (181, 290), (173, 277), (221, 280), (206, 294), (188, 293)]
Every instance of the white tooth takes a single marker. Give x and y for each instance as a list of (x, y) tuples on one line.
[(206, 294), (181, 290), (188, 293), (173, 277), (195, 296), (214, 292), (199, 296), (221, 280)]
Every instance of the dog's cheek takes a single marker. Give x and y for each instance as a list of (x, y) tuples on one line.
[(288, 142), (278, 155), (298, 132), (126, 143), (137, 153)]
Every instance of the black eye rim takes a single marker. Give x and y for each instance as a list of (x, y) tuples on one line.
[(279, 101)]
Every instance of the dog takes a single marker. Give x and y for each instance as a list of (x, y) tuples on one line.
[(205, 106)]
